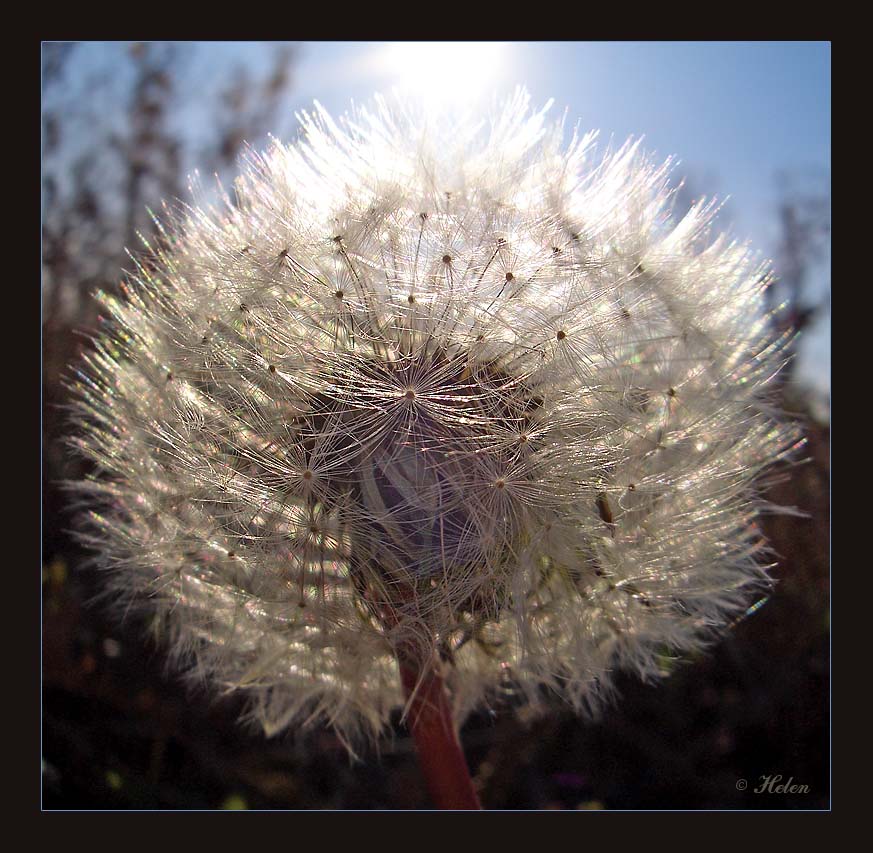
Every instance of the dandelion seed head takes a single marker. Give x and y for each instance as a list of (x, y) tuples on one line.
[(466, 387)]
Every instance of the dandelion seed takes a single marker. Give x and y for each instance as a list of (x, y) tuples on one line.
[(444, 482)]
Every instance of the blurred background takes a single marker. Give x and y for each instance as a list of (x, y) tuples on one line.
[(124, 124)]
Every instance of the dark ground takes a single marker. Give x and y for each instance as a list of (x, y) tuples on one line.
[(120, 733)]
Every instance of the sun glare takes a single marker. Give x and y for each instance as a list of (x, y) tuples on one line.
[(444, 71)]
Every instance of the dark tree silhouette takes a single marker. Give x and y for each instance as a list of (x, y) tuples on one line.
[(803, 216)]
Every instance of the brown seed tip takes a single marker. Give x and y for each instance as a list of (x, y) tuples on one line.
[(561, 335), (509, 276), (410, 394), (272, 368), (307, 474), (410, 299), (447, 259)]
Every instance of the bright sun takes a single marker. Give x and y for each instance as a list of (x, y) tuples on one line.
[(443, 71)]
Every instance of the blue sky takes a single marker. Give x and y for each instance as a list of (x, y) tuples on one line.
[(734, 114)]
